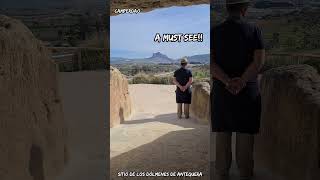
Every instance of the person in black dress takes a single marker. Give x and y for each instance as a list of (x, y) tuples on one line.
[(183, 80), (238, 54)]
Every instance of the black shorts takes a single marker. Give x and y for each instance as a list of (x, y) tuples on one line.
[(183, 97), (236, 113)]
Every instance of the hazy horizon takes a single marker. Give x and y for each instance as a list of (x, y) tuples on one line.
[(161, 53)]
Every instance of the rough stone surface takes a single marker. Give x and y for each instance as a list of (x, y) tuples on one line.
[(289, 142), (200, 103), (120, 103), (32, 128), (145, 5)]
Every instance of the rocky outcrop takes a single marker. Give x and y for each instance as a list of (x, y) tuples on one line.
[(200, 103), (120, 103), (289, 142), (145, 5), (33, 143)]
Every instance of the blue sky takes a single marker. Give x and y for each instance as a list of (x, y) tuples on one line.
[(132, 35)]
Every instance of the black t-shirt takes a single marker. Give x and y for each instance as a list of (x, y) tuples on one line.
[(233, 43), (182, 75)]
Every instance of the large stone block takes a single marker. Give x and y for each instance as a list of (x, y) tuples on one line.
[(288, 144), (120, 103), (33, 144), (200, 103)]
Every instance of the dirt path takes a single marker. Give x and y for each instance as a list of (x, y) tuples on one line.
[(155, 140), (84, 98)]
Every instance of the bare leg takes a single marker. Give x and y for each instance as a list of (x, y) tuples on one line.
[(179, 113), (244, 155), (223, 155), (186, 110)]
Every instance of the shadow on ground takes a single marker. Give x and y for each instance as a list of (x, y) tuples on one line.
[(169, 119), (183, 150), (180, 150)]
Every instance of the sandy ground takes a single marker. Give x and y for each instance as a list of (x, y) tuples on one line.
[(155, 140), (152, 140), (84, 98)]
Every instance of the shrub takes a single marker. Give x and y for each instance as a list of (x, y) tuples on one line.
[(140, 78), (143, 78), (200, 74), (289, 60), (202, 80), (92, 59), (314, 63), (277, 61), (161, 80)]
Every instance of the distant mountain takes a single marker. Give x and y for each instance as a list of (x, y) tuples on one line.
[(117, 59), (156, 58), (159, 58), (199, 59)]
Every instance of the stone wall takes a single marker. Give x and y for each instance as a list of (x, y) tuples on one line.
[(289, 142), (200, 103), (33, 144), (147, 5), (120, 103)]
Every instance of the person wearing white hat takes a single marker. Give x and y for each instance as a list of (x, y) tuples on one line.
[(237, 55), (183, 80)]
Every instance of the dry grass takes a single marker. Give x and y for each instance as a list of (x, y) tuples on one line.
[(143, 78)]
